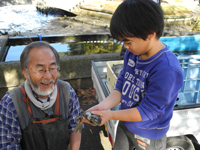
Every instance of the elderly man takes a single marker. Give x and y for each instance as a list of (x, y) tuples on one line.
[(40, 114)]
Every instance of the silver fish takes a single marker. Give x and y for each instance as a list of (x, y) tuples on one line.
[(92, 118)]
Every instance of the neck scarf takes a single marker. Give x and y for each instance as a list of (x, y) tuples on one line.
[(42, 106)]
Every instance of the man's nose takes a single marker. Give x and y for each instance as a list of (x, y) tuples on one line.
[(47, 74)]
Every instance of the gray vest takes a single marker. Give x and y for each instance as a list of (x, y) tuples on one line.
[(23, 113)]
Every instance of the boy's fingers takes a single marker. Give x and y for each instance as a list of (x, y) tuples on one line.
[(97, 113), (86, 121)]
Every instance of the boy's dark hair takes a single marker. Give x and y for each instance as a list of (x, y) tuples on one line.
[(137, 18)]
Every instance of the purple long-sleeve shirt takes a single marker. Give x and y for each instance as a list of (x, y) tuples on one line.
[(152, 86)]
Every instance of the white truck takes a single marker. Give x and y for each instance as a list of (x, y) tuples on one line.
[(184, 132)]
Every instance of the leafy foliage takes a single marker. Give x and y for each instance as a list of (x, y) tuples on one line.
[(195, 24), (87, 94), (82, 48)]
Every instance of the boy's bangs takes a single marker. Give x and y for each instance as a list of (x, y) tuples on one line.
[(119, 31)]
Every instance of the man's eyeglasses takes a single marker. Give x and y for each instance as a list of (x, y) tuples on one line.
[(41, 72)]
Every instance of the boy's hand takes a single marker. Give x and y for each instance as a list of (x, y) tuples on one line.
[(86, 121), (105, 116), (98, 107), (94, 108)]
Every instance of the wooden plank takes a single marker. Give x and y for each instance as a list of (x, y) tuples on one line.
[(3, 43)]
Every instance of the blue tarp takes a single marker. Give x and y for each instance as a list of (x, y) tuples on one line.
[(182, 43)]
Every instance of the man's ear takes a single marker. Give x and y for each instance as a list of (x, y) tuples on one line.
[(25, 73)]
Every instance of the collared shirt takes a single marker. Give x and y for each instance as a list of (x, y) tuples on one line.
[(10, 132), (41, 100)]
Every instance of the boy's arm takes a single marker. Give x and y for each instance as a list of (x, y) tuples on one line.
[(112, 100), (132, 115)]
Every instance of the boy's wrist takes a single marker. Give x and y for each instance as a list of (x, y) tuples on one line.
[(104, 105)]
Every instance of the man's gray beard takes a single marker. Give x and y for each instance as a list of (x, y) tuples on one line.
[(38, 91)]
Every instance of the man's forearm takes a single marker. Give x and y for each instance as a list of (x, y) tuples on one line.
[(75, 140)]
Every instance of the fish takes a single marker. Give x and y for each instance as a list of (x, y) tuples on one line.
[(92, 118)]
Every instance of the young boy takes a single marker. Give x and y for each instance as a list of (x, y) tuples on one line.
[(148, 84)]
